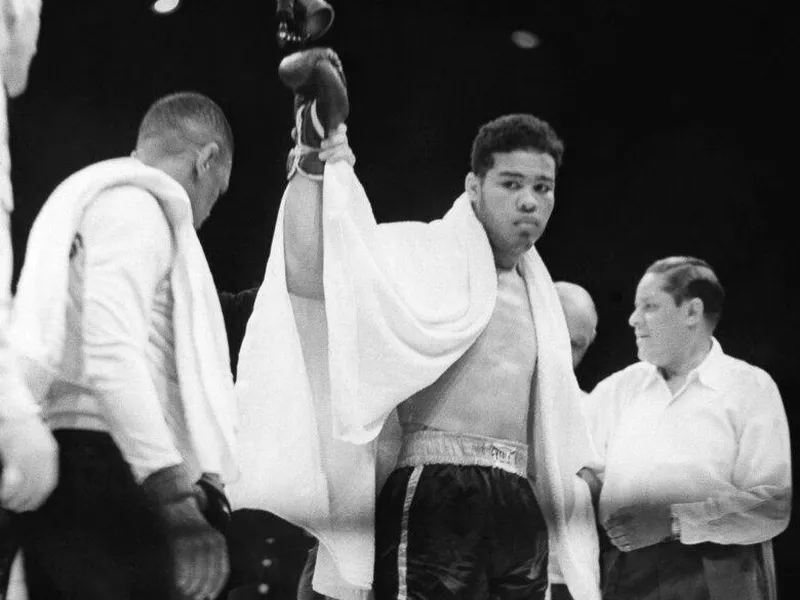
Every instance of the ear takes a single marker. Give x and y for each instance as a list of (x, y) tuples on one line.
[(206, 157), (472, 184), (695, 311)]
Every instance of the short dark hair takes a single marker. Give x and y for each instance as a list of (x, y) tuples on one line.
[(193, 117), (686, 277), (514, 132)]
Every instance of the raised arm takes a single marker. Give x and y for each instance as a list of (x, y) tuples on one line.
[(321, 107)]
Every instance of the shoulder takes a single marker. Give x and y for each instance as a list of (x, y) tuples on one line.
[(127, 207), (630, 377), (739, 375), (127, 219)]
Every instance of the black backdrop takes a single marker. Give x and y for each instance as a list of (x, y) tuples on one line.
[(676, 118)]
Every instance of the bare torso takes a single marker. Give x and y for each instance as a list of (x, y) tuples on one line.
[(487, 391)]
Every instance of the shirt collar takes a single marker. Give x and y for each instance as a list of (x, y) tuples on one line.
[(709, 372)]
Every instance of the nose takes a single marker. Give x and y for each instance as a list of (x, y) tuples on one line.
[(634, 319), (527, 200)]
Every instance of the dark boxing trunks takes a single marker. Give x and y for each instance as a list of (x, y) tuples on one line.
[(458, 519)]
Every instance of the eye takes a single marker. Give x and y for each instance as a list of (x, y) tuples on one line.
[(512, 185), (543, 188)]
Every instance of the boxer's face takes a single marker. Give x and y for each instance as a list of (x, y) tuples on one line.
[(514, 201)]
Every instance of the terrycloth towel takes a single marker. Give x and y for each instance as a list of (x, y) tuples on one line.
[(201, 347), (316, 382)]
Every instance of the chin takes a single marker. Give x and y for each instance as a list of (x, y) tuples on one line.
[(644, 356)]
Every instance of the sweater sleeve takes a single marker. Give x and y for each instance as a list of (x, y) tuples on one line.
[(129, 251)]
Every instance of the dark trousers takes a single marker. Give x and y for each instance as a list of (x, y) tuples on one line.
[(559, 591), (675, 571), (305, 589), (97, 537), (459, 532), (8, 548)]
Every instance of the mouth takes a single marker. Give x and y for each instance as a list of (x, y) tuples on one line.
[(528, 223)]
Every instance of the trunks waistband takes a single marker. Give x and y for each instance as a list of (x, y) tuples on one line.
[(445, 447)]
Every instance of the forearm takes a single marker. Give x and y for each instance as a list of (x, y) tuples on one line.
[(741, 518), (302, 230), (123, 268), (129, 404), (756, 505)]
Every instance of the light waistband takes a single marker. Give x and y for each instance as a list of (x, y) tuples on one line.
[(74, 411), (430, 447)]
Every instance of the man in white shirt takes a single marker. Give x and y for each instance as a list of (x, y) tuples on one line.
[(125, 520), (697, 476), (581, 316)]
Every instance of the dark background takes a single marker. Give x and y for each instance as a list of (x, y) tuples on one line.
[(676, 117)]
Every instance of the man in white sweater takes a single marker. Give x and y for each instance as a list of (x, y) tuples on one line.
[(126, 519)]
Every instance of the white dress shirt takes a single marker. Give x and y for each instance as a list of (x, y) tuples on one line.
[(717, 451)]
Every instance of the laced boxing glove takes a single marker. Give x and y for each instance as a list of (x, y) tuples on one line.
[(320, 105), (199, 551)]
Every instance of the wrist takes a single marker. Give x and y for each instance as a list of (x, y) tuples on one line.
[(169, 485)]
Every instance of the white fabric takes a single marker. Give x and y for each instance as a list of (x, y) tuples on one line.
[(19, 28), (19, 32), (38, 322), (403, 302), (717, 451), (583, 507), (17, 589), (118, 334)]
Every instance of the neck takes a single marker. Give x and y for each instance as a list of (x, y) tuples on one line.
[(505, 261), (695, 354)]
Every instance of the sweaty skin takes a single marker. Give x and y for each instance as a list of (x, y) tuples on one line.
[(487, 391)]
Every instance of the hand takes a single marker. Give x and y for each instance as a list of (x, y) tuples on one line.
[(336, 147), (29, 456), (635, 527), (199, 553)]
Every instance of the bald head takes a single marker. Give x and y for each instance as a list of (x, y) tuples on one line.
[(187, 136), (187, 119), (581, 317)]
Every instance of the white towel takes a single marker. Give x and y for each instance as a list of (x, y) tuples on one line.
[(316, 383), (201, 346)]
